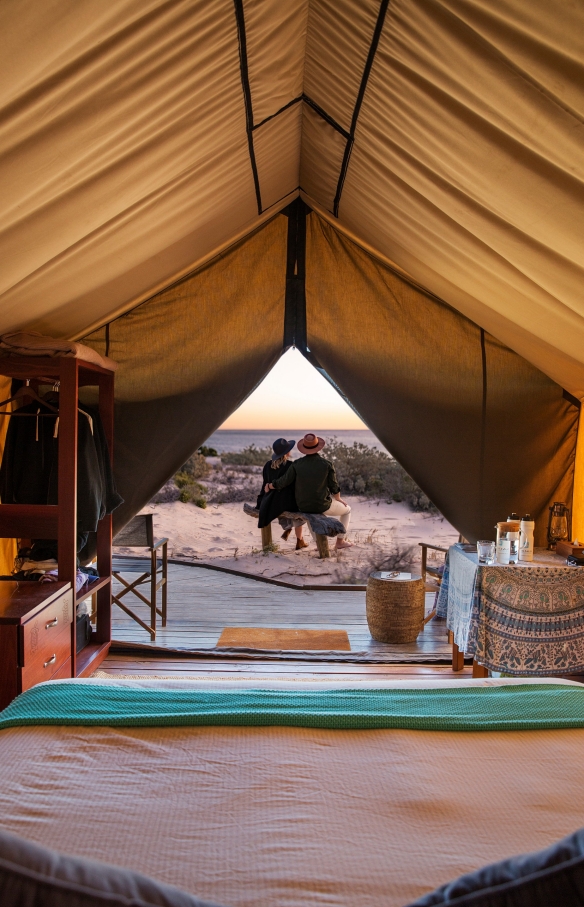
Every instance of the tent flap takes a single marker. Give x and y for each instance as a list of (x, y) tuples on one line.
[(482, 431), (189, 357)]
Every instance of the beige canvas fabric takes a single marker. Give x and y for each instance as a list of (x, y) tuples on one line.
[(138, 140), (189, 357), (125, 158), (419, 373), (467, 164)]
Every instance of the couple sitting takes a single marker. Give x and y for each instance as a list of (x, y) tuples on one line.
[(307, 485)]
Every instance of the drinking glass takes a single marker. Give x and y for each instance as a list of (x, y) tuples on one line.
[(486, 552)]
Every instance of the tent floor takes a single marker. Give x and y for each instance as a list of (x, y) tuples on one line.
[(201, 603), (233, 669)]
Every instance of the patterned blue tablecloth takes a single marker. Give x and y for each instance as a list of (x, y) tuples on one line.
[(521, 619)]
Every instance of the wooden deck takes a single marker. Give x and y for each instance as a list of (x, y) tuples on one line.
[(232, 669), (202, 602)]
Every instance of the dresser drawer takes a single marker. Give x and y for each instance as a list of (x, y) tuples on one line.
[(52, 653), (63, 672), (41, 632)]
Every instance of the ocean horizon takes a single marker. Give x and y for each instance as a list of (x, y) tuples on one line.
[(228, 440)]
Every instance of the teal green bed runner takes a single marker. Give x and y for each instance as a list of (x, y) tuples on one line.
[(520, 707)]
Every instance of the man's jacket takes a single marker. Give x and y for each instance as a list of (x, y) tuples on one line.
[(316, 482)]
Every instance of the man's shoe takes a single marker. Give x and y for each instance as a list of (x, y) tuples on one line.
[(286, 533), (300, 543)]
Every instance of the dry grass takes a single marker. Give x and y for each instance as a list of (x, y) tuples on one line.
[(356, 572)]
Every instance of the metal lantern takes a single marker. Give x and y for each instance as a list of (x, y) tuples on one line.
[(558, 524)]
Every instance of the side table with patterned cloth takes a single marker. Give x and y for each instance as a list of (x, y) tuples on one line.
[(525, 618)]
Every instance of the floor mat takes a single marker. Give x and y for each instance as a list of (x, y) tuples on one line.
[(290, 639)]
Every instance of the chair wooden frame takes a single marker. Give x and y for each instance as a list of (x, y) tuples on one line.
[(433, 571), (156, 576)]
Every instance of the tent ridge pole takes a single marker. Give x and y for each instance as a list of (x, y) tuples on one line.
[(295, 299), (240, 20), (359, 101)]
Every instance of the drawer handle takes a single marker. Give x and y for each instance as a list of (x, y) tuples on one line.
[(52, 623), (51, 661)]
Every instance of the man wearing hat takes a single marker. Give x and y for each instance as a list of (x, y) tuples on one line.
[(316, 487)]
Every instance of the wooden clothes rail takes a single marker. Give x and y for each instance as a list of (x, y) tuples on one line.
[(59, 521)]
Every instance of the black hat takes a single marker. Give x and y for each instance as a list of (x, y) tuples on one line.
[(281, 447)]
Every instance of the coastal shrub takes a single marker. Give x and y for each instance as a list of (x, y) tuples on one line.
[(372, 473), (229, 494), (207, 451), (196, 467), (167, 494), (190, 491), (249, 456)]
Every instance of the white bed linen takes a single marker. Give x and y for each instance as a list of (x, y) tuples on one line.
[(284, 817)]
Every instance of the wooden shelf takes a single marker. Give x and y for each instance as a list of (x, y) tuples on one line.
[(90, 587), (91, 657), (29, 521)]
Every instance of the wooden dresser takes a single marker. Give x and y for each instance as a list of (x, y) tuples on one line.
[(35, 635)]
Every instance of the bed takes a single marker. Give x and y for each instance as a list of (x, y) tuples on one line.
[(294, 793)]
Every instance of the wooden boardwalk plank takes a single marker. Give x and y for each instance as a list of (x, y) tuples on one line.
[(201, 603)]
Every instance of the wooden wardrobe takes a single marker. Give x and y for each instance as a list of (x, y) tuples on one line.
[(26, 521)]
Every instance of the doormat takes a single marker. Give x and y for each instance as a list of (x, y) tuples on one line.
[(288, 639)]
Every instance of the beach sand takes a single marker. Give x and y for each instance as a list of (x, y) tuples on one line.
[(222, 534)]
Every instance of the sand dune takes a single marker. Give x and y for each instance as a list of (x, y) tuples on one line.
[(223, 535)]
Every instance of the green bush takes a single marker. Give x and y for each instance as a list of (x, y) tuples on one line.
[(196, 467), (207, 451), (370, 472), (249, 456), (190, 490)]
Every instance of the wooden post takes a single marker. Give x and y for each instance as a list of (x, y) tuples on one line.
[(153, 584), (67, 487), (322, 545), (457, 658), (479, 670), (267, 537), (165, 581), (103, 629)]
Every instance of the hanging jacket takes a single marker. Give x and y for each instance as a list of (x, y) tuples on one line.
[(29, 473)]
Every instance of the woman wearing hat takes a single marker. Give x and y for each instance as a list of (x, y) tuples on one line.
[(272, 503), (315, 485)]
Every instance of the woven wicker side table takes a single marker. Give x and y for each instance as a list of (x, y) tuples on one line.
[(395, 607)]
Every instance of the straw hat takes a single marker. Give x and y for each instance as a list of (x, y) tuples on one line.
[(311, 444)]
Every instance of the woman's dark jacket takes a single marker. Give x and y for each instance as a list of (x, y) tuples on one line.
[(272, 504)]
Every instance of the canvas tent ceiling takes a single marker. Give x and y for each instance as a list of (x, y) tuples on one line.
[(139, 138)]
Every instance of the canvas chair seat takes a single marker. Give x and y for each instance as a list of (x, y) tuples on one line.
[(152, 573)]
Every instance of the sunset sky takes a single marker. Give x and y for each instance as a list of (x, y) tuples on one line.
[(294, 395)]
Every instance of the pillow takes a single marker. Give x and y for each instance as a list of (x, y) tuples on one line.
[(553, 877), (34, 876)]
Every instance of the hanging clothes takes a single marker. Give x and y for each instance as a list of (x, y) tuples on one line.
[(29, 472)]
